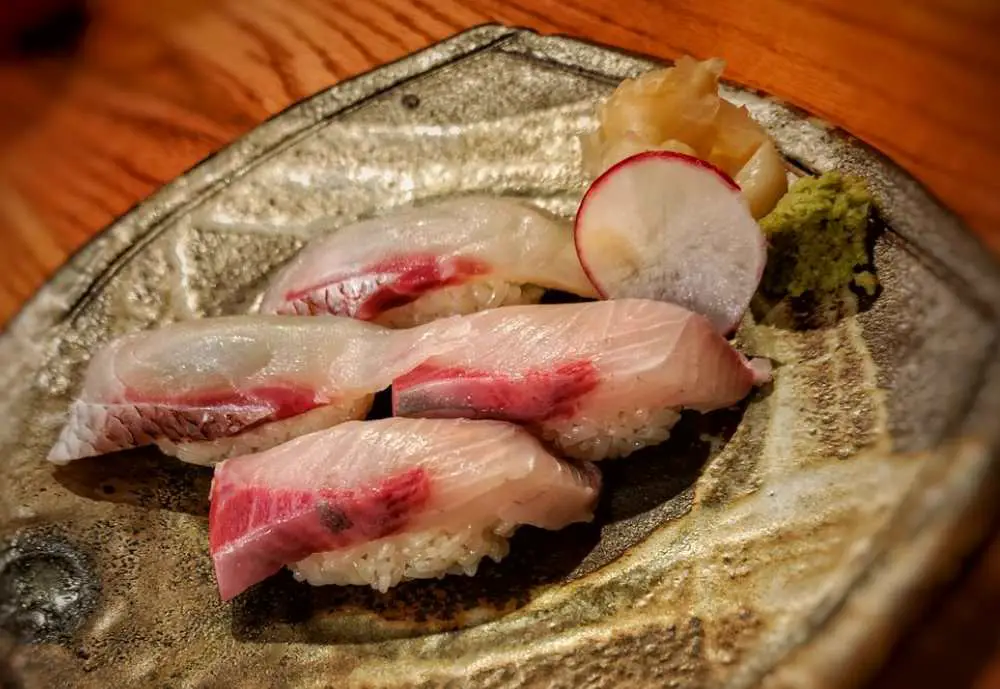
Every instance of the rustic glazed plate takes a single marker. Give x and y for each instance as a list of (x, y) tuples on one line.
[(780, 544)]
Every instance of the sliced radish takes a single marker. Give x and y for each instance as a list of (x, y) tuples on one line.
[(666, 226)]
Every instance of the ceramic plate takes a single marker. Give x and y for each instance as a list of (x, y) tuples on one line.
[(780, 544)]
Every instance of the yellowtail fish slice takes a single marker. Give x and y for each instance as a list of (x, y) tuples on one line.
[(216, 387), (597, 379), (377, 502), (413, 266)]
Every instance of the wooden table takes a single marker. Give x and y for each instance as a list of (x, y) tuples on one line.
[(93, 124)]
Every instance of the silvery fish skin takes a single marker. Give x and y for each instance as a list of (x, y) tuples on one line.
[(446, 258), (212, 388), (194, 385), (374, 484)]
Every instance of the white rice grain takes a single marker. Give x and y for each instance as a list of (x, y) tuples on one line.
[(386, 562), (466, 298), (629, 431)]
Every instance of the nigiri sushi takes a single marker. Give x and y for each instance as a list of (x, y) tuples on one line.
[(451, 257), (217, 387), (599, 379), (377, 502)]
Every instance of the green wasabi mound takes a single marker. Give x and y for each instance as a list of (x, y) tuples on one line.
[(818, 238)]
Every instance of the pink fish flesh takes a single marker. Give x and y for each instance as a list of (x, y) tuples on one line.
[(524, 396), (379, 486), (392, 282), (193, 386), (598, 379), (446, 258)]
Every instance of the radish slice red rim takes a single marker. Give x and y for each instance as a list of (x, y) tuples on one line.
[(667, 226)]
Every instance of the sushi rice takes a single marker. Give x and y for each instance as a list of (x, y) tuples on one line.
[(430, 554), (460, 300), (631, 430)]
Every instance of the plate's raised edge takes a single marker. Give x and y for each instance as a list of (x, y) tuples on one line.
[(83, 270), (938, 526)]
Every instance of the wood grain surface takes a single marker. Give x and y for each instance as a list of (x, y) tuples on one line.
[(121, 97)]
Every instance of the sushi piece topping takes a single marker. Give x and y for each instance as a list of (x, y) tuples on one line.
[(598, 380), (376, 502), (195, 387), (314, 521), (447, 258), (214, 388)]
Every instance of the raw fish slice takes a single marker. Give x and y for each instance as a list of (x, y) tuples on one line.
[(211, 388), (598, 379), (376, 502), (410, 267), (267, 434)]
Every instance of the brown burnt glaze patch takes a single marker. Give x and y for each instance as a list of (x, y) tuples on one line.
[(667, 655), (818, 388), (734, 473), (733, 635), (859, 427), (281, 609)]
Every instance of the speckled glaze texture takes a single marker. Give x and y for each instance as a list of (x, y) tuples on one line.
[(781, 544)]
